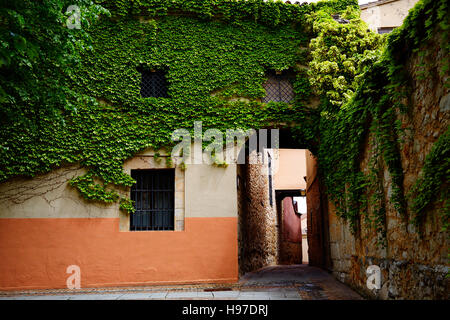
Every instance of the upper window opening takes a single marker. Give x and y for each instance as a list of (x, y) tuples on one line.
[(383, 30), (153, 83), (278, 87)]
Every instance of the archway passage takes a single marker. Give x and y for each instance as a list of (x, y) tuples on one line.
[(291, 244), (271, 186)]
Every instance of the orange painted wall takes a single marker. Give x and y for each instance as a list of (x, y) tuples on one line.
[(34, 253)]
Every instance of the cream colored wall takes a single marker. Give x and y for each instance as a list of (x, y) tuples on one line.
[(211, 191), (291, 170), (201, 190), (50, 196), (386, 13)]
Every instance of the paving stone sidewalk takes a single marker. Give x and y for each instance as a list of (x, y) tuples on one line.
[(297, 282)]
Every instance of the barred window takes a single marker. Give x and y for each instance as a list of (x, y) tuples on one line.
[(383, 30), (153, 195), (278, 87), (153, 83)]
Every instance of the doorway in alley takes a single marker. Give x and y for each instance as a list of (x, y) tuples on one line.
[(278, 214)]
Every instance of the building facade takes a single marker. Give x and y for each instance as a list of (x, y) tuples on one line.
[(46, 226), (384, 15), (197, 223)]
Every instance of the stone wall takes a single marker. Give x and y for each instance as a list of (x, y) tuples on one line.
[(412, 267), (258, 226)]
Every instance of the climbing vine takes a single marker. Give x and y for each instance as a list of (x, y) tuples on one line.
[(340, 51), (215, 55), (433, 183), (380, 86), (200, 56)]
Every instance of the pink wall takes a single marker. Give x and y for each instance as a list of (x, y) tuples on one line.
[(291, 222)]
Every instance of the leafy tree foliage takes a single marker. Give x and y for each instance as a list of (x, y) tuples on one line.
[(37, 53)]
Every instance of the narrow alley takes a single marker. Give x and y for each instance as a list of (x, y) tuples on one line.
[(293, 282)]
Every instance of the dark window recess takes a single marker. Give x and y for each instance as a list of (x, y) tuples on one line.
[(278, 88), (383, 30), (269, 165), (153, 84), (153, 195)]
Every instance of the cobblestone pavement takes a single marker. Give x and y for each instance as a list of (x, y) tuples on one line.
[(295, 282)]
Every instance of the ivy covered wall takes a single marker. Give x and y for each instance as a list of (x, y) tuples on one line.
[(111, 122), (213, 52), (203, 46)]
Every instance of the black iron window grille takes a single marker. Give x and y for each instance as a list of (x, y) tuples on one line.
[(153, 83), (153, 195), (278, 88)]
